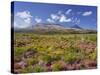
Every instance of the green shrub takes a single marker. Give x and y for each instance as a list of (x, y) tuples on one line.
[(19, 51), (72, 57), (38, 68), (28, 69), (31, 61), (46, 58), (69, 58), (93, 55), (56, 57), (56, 66), (82, 66), (31, 69), (31, 49)]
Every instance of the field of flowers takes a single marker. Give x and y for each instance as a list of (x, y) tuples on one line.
[(58, 52)]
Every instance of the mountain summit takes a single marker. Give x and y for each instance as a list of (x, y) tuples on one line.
[(76, 27)]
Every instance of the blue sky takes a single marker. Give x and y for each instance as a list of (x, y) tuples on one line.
[(29, 13)]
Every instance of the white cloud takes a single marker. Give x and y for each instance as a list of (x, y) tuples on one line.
[(24, 14), (50, 20), (38, 20), (22, 19), (54, 16), (68, 11), (87, 13), (59, 17), (27, 20), (20, 25), (64, 19)]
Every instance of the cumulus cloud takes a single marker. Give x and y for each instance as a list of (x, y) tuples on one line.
[(50, 20), (28, 20), (22, 19), (20, 24), (24, 14), (58, 17), (68, 11), (87, 13), (38, 20), (64, 19), (54, 16)]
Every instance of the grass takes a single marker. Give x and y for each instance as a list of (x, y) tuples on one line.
[(42, 52)]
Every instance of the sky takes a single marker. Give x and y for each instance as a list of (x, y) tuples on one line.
[(29, 13)]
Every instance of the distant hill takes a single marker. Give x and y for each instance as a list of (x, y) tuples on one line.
[(48, 26), (51, 28)]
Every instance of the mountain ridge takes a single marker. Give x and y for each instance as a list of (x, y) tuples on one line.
[(54, 28)]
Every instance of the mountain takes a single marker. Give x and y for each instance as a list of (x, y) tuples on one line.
[(48, 26), (76, 27), (51, 28)]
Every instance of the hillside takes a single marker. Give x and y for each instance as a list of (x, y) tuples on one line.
[(44, 28)]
